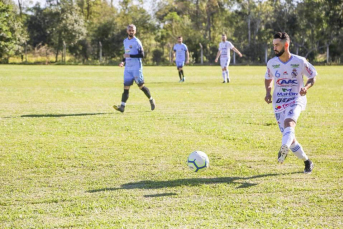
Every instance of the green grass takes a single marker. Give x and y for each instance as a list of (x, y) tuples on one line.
[(68, 160)]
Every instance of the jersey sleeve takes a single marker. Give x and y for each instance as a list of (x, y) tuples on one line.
[(231, 45), (139, 46), (309, 71), (268, 75), (186, 49)]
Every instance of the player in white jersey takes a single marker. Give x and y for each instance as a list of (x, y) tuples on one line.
[(181, 56), (224, 53), (133, 68), (289, 96)]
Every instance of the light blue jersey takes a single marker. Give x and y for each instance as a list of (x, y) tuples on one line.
[(180, 52), (133, 47)]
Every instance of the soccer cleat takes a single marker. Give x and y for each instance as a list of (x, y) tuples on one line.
[(120, 108), (228, 80), (308, 166), (183, 79), (224, 81), (152, 104), (283, 153), (180, 81)]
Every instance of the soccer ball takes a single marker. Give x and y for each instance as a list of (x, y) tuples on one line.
[(198, 161)]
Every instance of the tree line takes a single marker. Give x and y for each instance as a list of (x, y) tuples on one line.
[(93, 30)]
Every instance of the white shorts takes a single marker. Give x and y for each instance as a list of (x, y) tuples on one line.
[(224, 63), (292, 112)]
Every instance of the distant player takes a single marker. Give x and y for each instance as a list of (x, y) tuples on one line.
[(289, 96), (224, 53), (181, 56), (133, 68)]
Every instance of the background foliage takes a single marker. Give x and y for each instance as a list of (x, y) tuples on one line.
[(315, 27)]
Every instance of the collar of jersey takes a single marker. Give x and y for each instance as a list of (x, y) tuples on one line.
[(287, 60)]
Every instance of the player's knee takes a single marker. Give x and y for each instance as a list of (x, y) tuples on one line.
[(289, 123), (141, 85)]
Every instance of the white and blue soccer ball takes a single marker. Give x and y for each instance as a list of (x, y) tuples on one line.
[(198, 161)]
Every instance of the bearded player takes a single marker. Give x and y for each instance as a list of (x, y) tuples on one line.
[(289, 96)]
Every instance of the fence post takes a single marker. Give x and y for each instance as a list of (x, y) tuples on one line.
[(266, 54), (25, 52), (64, 52), (202, 53), (170, 54), (327, 54), (234, 57), (100, 52)]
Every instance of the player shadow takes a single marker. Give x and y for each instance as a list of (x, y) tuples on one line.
[(59, 115), (148, 184)]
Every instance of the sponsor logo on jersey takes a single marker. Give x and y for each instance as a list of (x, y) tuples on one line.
[(284, 106), (284, 100), (295, 65), (290, 112), (130, 46), (286, 89), (285, 94), (294, 73), (276, 66), (285, 73), (284, 82)]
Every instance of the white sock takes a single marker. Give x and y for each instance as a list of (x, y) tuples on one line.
[(288, 136), (227, 74), (224, 77), (298, 150), (123, 104)]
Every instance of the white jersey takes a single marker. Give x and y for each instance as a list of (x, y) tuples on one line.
[(288, 80), (224, 48)]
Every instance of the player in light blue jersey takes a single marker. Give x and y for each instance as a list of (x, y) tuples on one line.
[(181, 56), (133, 68)]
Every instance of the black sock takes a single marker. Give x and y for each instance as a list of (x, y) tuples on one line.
[(146, 92), (180, 75), (183, 76), (125, 96)]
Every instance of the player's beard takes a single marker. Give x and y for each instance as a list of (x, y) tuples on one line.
[(279, 53), (131, 35)]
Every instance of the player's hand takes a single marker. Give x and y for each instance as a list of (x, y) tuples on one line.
[(126, 55), (121, 64), (268, 98), (240, 55), (187, 62), (303, 91), (216, 60)]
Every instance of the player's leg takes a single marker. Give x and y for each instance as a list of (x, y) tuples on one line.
[(181, 64), (140, 82), (227, 70), (292, 116), (179, 71), (223, 66), (128, 81), (283, 150)]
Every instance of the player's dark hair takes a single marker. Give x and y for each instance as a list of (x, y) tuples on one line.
[(223, 34), (179, 37), (282, 36)]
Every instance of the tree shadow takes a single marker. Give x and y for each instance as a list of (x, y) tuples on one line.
[(161, 194), (148, 184), (60, 115)]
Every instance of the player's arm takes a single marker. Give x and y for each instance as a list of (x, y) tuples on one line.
[(187, 54), (174, 55), (140, 54), (309, 83), (122, 62), (268, 85), (237, 51), (218, 55)]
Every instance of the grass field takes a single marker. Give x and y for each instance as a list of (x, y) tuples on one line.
[(68, 160)]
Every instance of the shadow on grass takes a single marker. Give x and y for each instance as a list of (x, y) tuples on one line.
[(148, 184), (59, 115), (161, 194)]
